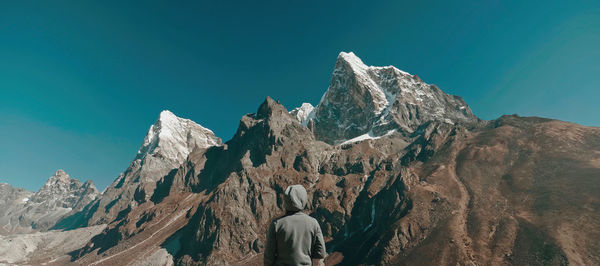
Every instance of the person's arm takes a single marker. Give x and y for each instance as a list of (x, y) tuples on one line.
[(318, 249), (270, 246)]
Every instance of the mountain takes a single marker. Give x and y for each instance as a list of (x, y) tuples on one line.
[(375, 100), (397, 173), (506, 192), (24, 211), (305, 113), (166, 146)]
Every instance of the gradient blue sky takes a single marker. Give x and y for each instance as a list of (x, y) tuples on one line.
[(81, 82)]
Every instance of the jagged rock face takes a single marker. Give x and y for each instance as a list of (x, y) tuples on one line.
[(241, 183), (63, 191), (26, 211), (166, 146), (345, 184), (363, 99)]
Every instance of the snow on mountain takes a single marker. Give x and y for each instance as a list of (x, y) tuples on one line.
[(361, 72), (366, 136), (304, 113), (174, 138), (166, 146), (362, 99)]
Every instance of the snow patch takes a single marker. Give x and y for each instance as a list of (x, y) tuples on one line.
[(368, 135), (362, 73)]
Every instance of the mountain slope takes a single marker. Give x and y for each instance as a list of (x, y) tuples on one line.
[(167, 144), (12, 201)]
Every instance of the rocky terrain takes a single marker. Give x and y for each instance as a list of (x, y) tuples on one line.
[(397, 171), (24, 211), (44, 247)]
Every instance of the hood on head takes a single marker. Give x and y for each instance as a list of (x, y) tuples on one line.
[(294, 198)]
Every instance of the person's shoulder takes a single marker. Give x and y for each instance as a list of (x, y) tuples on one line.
[(312, 219), (281, 218), (275, 220)]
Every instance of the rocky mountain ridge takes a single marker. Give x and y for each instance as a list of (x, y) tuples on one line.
[(363, 99)]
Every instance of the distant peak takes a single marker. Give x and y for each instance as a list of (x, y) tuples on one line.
[(166, 114), (361, 98), (60, 178), (267, 107), (352, 61), (359, 67), (60, 172), (306, 106), (351, 58), (168, 121), (174, 137), (304, 113), (167, 118), (60, 175)]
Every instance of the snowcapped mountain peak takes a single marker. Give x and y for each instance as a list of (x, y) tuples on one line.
[(169, 119), (173, 138), (362, 99), (167, 115), (359, 67), (352, 60), (304, 113), (167, 145)]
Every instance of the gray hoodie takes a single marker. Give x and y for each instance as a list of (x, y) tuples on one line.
[(295, 238)]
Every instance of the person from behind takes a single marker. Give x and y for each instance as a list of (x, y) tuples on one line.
[(295, 238)]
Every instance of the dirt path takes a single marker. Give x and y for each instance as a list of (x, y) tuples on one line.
[(458, 223)]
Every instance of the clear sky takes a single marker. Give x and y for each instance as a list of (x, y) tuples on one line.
[(81, 82)]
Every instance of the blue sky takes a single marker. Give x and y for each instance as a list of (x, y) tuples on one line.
[(81, 82)]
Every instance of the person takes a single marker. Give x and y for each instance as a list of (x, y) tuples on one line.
[(295, 238)]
